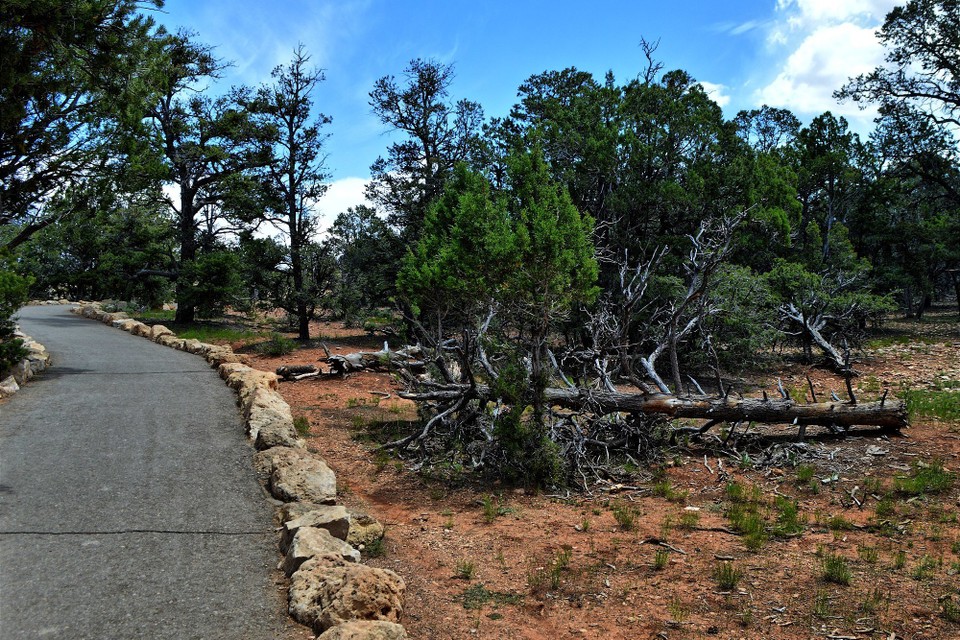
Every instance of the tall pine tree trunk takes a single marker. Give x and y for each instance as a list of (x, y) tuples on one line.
[(186, 313)]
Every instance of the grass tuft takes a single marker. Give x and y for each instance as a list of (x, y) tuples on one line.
[(836, 569), (727, 576), (925, 479), (943, 405)]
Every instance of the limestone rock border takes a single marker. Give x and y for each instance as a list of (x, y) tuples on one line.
[(36, 360), (329, 590)]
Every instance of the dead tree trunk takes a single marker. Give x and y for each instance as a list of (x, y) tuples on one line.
[(812, 328), (889, 414)]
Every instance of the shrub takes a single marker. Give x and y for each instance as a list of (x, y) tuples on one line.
[(302, 425), (625, 515), (836, 569), (727, 576), (277, 345), (13, 295)]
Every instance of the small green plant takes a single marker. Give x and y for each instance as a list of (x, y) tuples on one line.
[(951, 610), (549, 578), (868, 554), (925, 478), (493, 508), (563, 557), (661, 558), (478, 596), (678, 610), (745, 616), (872, 485), (955, 547), (688, 520), (836, 569), (750, 525), (925, 568), (302, 426), (666, 490), (277, 345), (727, 576), (839, 523), (804, 473), (736, 492), (666, 526), (821, 604), (885, 507), (380, 460), (375, 549), (789, 521), (874, 602), (625, 515), (489, 505), (900, 559), (466, 569)]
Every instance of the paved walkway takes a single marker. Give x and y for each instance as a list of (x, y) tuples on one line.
[(128, 503)]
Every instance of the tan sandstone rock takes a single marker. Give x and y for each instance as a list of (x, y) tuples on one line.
[(296, 475), (192, 345), (334, 519), (158, 330), (140, 329), (217, 357), (111, 318), (310, 542), (172, 341), (292, 510), (365, 630), (8, 387), (364, 529), (269, 420), (327, 591)]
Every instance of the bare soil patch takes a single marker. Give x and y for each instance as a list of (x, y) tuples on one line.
[(491, 561)]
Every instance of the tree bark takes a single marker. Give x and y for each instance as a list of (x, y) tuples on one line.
[(186, 313), (890, 414)]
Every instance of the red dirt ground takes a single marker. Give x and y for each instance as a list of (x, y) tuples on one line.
[(560, 566)]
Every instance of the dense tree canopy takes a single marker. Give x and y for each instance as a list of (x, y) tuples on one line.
[(70, 78)]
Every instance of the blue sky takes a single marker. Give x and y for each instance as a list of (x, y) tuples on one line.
[(786, 53)]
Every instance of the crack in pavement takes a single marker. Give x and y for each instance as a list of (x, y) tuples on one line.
[(120, 532)]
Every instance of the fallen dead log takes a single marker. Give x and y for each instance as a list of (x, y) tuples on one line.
[(297, 372), (890, 415), (383, 360)]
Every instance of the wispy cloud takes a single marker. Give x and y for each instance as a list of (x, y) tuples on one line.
[(257, 37), (739, 28)]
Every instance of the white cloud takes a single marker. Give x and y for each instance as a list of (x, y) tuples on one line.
[(717, 92), (823, 11), (821, 64), (341, 195), (815, 47)]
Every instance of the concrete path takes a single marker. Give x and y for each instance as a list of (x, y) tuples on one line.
[(128, 503)]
